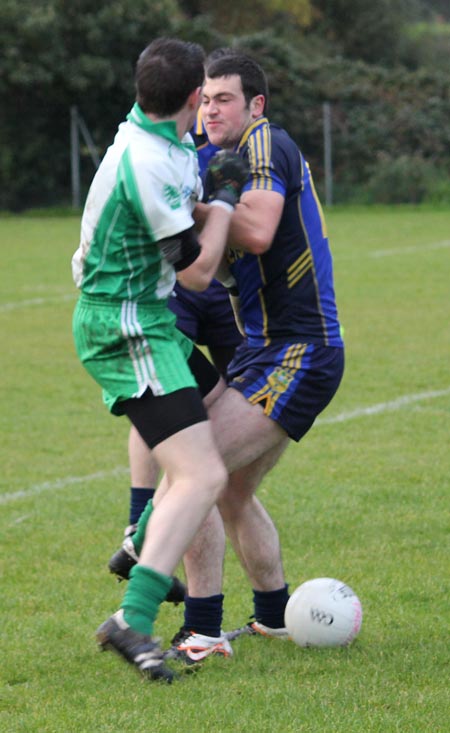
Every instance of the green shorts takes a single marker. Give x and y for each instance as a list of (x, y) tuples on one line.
[(127, 348)]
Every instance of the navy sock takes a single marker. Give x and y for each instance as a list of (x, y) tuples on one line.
[(138, 502), (269, 606), (204, 615)]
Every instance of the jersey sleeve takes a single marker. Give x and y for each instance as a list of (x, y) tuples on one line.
[(268, 169)]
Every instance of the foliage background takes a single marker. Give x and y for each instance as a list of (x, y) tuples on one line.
[(384, 67)]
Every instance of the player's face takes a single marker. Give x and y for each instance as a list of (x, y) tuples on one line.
[(225, 111)]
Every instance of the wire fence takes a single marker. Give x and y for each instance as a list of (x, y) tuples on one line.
[(79, 132)]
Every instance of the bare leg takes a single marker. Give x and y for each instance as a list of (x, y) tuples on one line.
[(242, 432), (256, 542), (250, 528), (144, 469), (251, 443), (196, 477), (203, 562)]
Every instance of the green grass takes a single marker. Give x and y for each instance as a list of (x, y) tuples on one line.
[(364, 498)]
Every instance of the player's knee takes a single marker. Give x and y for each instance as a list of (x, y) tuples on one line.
[(216, 478), (222, 480), (231, 506)]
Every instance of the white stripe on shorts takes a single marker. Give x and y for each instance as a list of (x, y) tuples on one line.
[(139, 350)]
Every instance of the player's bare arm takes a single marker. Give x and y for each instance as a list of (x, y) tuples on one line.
[(255, 221), (200, 214), (212, 241)]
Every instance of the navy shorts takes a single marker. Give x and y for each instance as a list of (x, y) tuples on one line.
[(207, 317), (292, 382)]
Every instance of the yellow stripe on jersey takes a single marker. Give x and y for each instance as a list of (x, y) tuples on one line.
[(198, 125), (318, 204), (261, 141), (320, 310), (262, 304), (257, 146), (259, 154), (261, 121), (298, 268)]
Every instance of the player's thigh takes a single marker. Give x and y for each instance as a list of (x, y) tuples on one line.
[(242, 431), (192, 453), (144, 469), (243, 483), (176, 428)]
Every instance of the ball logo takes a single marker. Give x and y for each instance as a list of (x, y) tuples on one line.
[(345, 591), (322, 617), (323, 612)]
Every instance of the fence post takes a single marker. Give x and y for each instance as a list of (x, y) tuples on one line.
[(77, 126), (75, 157), (328, 166)]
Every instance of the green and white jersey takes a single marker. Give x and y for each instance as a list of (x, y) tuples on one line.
[(143, 191)]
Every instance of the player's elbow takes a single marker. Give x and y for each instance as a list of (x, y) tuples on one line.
[(258, 242), (197, 281)]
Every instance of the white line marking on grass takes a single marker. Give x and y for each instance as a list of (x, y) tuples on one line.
[(62, 484), (19, 520), (379, 253), (6, 307), (121, 470), (383, 407), (408, 250)]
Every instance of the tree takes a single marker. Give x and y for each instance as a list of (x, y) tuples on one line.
[(236, 16), (366, 30), (58, 54)]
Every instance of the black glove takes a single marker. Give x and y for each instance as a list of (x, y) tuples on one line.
[(227, 174)]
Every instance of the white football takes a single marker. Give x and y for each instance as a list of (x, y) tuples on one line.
[(323, 612)]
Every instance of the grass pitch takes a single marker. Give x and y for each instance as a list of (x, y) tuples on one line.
[(364, 498)]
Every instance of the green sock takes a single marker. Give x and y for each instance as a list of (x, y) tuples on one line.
[(145, 592), (139, 536)]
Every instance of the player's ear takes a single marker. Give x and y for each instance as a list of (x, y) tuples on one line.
[(257, 106), (195, 98)]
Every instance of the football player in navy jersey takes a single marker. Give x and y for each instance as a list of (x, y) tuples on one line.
[(291, 361), (289, 365)]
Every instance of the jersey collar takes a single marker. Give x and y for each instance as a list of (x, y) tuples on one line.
[(166, 129), (260, 122)]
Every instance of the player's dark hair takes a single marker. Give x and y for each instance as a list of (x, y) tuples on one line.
[(253, 78), (219, 53), (167, 72)]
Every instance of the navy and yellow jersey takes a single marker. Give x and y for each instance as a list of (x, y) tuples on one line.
[(287, 293), (205, 149)]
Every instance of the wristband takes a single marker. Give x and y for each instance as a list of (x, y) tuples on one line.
[(223, 205)]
